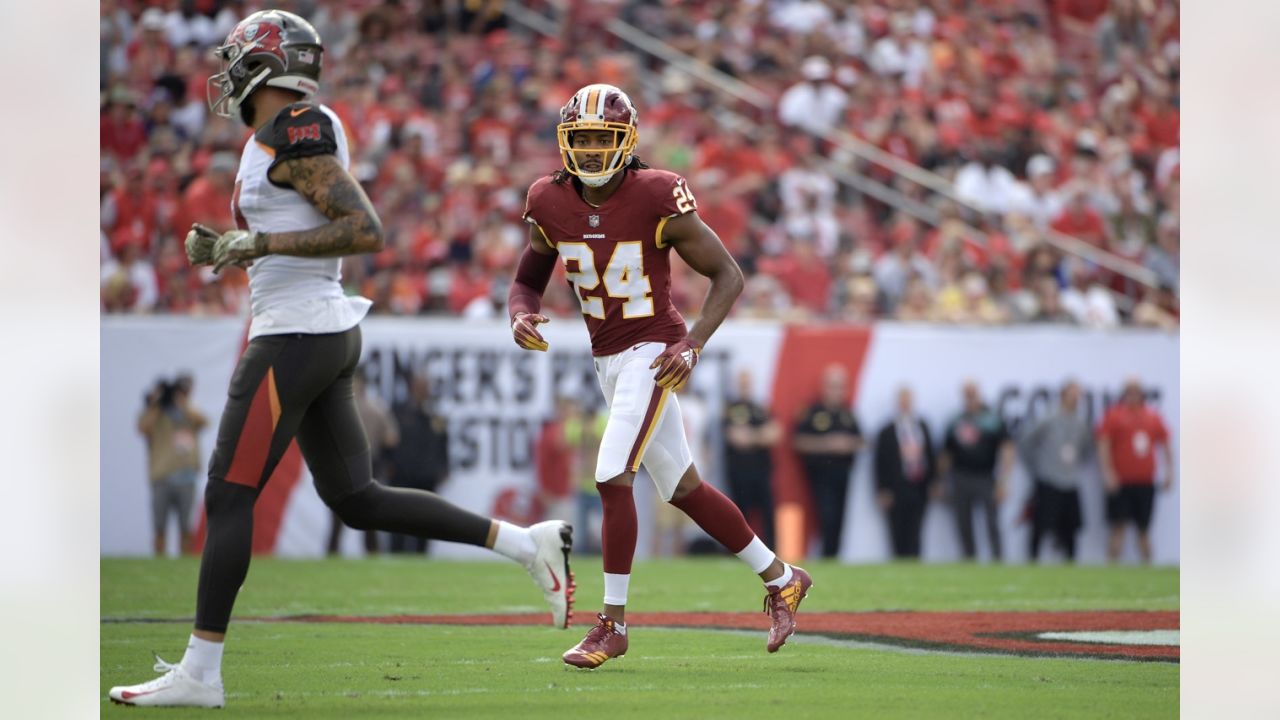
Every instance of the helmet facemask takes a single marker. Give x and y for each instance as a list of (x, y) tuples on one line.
[(615, 156)]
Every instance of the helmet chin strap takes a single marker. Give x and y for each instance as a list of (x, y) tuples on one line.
[(596, 182)]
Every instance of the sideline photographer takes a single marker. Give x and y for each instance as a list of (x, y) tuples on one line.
[(171, 426)]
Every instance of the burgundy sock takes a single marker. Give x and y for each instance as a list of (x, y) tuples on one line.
[(618, 534), (718, 516)]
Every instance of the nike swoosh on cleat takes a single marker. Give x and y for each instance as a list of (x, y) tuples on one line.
[(554, 579), (127, 695)]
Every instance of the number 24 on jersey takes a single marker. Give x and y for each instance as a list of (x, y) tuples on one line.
[(624, 278)]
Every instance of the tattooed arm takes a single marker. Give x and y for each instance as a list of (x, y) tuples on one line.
[(354, 226)]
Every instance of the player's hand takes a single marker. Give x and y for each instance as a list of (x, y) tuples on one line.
[(238, 247), (675, 364), (525, 331), (199, 244), (1110, 481)]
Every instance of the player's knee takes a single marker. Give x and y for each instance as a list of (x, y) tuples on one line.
[(225, 499), (359, 510), (689, 482)]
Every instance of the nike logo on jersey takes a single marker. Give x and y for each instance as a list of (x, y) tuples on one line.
[(554, 579), (637, 347), (298, 111)]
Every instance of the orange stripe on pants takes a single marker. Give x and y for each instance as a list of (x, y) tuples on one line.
[(254, 444)]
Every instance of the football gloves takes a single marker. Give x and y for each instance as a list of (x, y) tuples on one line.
[(200, 240), (238, 247), (525, 331), (675, 364), (206, 246)]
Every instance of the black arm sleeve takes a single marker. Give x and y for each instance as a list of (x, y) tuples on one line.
[(299, 130)]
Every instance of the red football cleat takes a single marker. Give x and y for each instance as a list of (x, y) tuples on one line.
[(601, 643), (781, 605)]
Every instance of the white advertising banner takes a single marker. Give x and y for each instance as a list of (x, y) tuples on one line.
[(495, 397)]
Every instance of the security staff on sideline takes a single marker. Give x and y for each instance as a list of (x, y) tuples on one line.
[(750, 433), (828, 440)]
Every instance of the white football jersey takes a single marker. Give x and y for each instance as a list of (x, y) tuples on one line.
[(292, 294)]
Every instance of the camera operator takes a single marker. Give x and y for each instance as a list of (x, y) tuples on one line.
[(170, 426)]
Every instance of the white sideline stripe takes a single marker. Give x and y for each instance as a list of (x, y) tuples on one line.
[(1167, 638)]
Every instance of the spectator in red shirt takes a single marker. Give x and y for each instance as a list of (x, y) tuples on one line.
[(121, 132), (805, 275), (1127, 439), (554, 456), (721, 211), (1079, 220), (207, 200)]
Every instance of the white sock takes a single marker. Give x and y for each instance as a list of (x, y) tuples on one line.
[(203, 660), (514, 542), (756, 555), (615, 588), (620, 628), (782, 579)]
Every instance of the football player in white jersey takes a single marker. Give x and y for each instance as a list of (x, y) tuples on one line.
[(298, 211)]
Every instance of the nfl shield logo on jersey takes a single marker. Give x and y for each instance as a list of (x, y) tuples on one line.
[(593, 221)]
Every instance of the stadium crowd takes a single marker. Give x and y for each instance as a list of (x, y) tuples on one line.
[(1057, 114)]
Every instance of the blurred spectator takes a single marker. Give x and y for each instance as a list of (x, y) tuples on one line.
[(828, 439), (1079, 220), (900, 54), (905, 474), (421, 459), (814, 104), (750, 433), (1054, 451), (128, 279), (1159, 308), (171, 426), (917, 303), (1049, 308), (554, 457), (384, 435), (1036, 198), (984, 183), (1087, 301), (1164, 257), (583, 432), (903, 262), (808, 196), (121, 130), (1127, 439), (978, 457), (968, 302)]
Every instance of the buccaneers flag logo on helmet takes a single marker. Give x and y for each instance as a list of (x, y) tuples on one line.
[(271, 47)]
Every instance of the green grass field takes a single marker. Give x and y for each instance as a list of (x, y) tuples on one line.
[(318, 670)]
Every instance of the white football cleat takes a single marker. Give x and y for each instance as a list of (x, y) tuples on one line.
[(175, 687), (550, 568)]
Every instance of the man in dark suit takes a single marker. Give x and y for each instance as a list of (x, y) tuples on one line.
[(905, 472)]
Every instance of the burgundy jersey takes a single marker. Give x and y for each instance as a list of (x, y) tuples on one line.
[(614, 257)]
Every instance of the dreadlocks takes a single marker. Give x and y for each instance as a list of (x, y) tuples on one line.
[(635, 163)]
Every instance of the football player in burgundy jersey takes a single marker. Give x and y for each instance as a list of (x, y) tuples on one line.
[(299, 212), (613, 221)]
